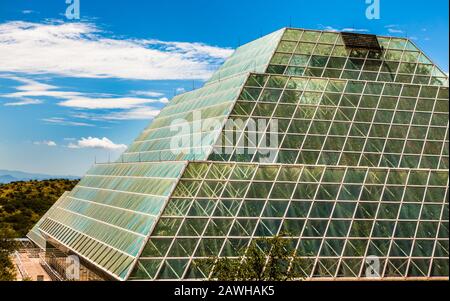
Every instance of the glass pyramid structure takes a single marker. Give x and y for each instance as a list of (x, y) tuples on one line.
[(348, 161)]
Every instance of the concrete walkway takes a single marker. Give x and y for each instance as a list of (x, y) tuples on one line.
[(28, 266)]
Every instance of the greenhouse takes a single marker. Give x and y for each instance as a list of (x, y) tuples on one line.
[(348, 161)]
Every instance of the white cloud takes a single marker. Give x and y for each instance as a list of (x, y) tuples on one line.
[(43, 93), (330, 28), (140, 113), (194, 50), (30, 88), (132, 108), (144, 113), (78, 100), (45, 142), (31, 85), (348, 29), (393, 30), (147, 93), (180, 90), (63, 121), (23, 102), (27, 11), (82, 50), (92, 142), (109, 103)]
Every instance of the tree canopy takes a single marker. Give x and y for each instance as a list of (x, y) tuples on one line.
[(265, 259), (21, 205), (7, 247)]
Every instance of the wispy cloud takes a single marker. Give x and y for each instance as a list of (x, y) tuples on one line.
[(141, 113), (83, 50), (393, 28), (43, 93), (63, 121), (350, 29), (99, 143), (347, 29), (130, 107), (31, 85), (109, 103), (24, 102), (45, 142), (28, 89), (147, 93), (33, 88)]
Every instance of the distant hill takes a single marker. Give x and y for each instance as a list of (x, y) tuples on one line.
[(8, 176), (22, 204), (7, 179)]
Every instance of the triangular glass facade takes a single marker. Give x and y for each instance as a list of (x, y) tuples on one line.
[(337, 142)]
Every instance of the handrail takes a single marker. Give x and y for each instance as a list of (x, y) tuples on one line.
[(50, 271), (22, 271)]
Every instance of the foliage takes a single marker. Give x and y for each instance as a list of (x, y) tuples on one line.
[(23, 203), (7, 246), (266, 259)]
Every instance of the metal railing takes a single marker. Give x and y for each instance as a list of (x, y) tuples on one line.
[(22, 271), (52, 273)]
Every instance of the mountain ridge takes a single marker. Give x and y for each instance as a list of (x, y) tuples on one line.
[(8, 176)]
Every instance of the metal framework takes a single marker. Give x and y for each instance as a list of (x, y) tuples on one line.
[(360, 170)]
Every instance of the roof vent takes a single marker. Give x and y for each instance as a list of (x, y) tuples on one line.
[(365, 41)]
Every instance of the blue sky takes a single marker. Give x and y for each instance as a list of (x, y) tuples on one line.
[(75, 91)]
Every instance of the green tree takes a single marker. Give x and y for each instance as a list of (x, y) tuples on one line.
[(7, 247), (22, 204), (266, 259)]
